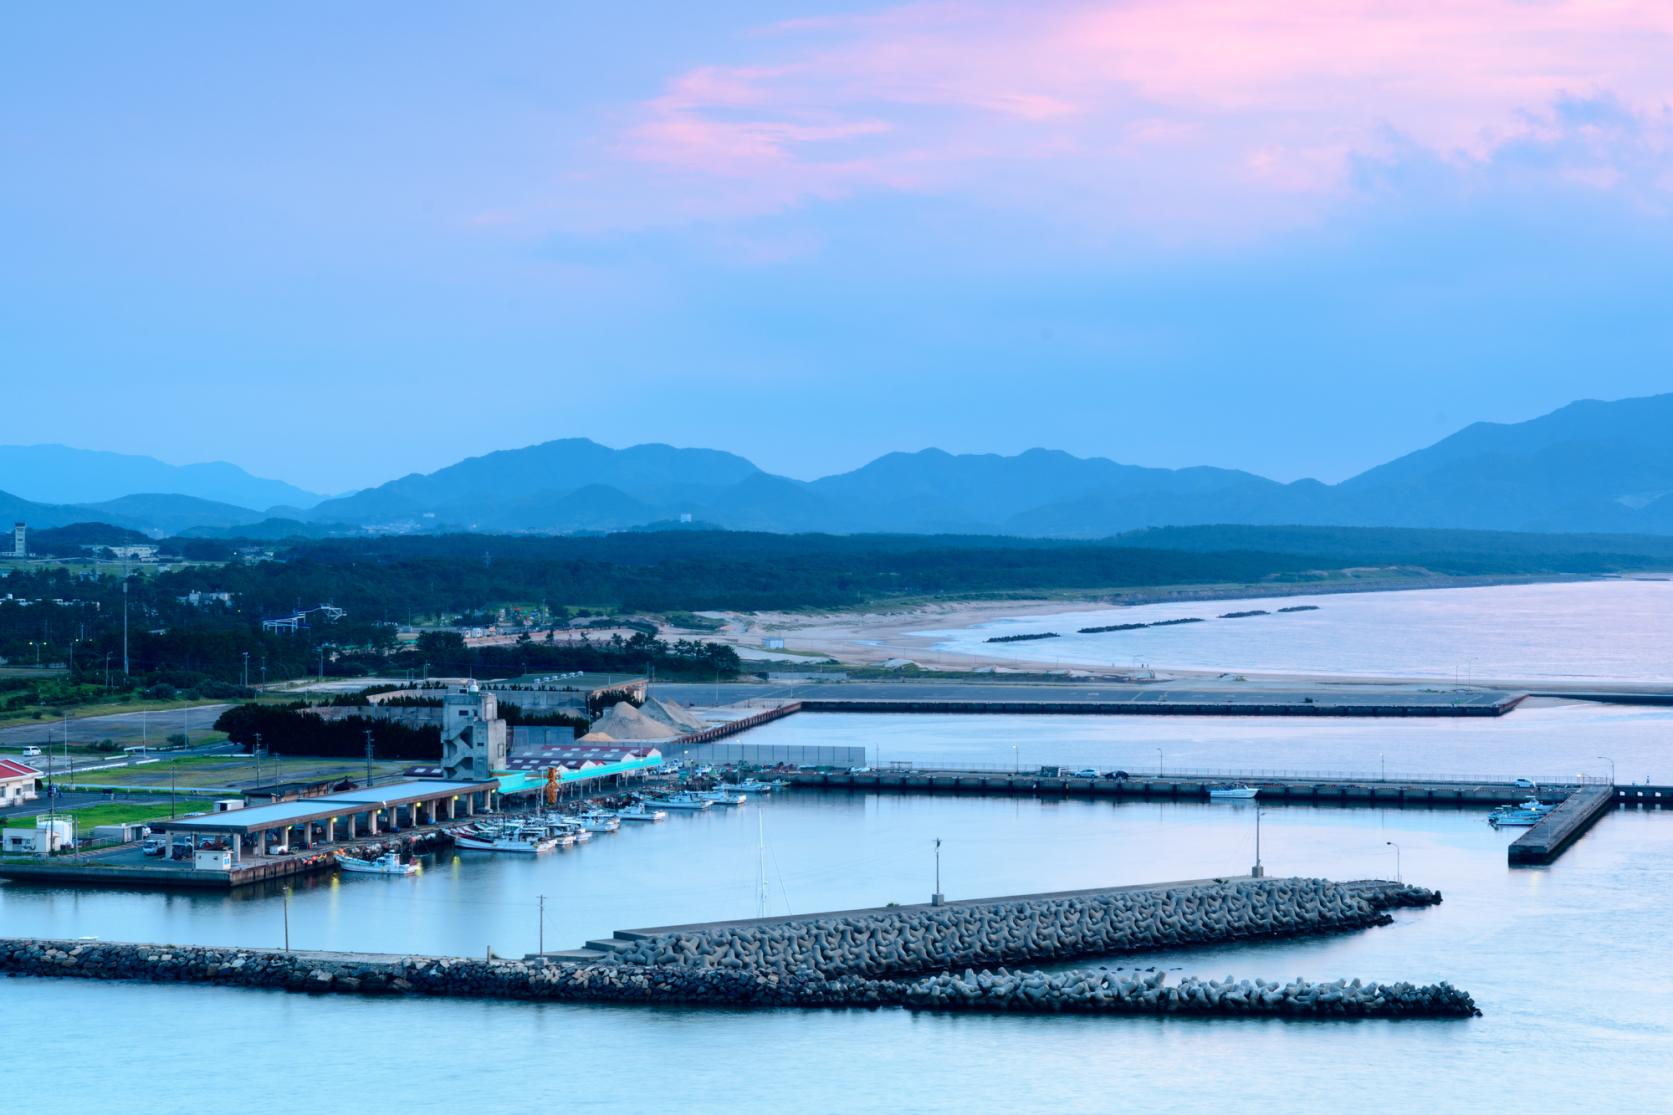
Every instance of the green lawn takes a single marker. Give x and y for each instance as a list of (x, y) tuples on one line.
[(110, 813), (219, 770)]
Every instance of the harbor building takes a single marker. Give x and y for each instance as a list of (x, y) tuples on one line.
[(17, 782), (473, 737)]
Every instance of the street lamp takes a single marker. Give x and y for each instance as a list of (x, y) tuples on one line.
[(1399, 877), (936, 899), (1158, 762), (1611, 763), (1258, 871)]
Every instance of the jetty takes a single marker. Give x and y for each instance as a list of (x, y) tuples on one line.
[(912, 939), (1548, 839), (1302, 788)]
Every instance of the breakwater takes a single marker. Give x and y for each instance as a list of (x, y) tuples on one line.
[(913, 940), (1554, 832), (669, 985), (1106, 992)]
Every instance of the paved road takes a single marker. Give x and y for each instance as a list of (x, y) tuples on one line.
[(704, 695), (123, 728)]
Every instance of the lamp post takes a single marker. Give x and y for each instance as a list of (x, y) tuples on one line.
[(1611, 763), (1158, 762), (1399, 876), (937, 899)]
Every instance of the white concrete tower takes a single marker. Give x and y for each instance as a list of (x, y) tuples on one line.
[(472, 735)]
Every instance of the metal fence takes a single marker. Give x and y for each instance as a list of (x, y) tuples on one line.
[(803, 755)]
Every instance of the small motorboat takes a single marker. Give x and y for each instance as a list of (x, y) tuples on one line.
[(1233, 791), (387, 864), (518, 840), (748, 786), (639, 811), (722, 797), (1530, 812), (682, 799), (598, 821)]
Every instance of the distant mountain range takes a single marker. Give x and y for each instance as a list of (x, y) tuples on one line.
[(1604, 467)]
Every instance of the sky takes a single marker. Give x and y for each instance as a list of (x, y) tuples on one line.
[(338, 243)]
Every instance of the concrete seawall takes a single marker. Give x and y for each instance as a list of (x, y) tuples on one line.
[(912, 940), (379, 975)]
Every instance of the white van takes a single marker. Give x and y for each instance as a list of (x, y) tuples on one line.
[(31, 752)]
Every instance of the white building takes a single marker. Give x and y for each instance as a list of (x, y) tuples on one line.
[(473, 737), (17, 782), (20, 540), (50, 834)]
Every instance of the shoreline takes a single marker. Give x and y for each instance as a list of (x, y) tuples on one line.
[(879, 636)]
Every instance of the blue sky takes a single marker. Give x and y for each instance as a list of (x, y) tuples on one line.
[(337, 244)]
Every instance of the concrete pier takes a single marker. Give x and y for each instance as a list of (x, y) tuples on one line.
[(1547, 840), (1299, 788)]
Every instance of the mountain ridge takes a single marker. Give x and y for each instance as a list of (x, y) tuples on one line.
[(1590, 466)]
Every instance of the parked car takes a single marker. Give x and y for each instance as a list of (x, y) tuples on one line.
[(859, 770), (1117, 775), (1525, 784), (29, 752), (154, 846), (1085, 772)]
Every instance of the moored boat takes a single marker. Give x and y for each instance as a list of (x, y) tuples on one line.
[(387, 864), (749, 786), (681, 799), (1232, 791), (721, 797), (639, 811)]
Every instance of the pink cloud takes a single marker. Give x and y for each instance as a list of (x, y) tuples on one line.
[(1217, 113)]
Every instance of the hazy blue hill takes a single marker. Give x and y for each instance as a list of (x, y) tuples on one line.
[(593, 507), (1590, 466), (509, 475), (158, 513), (59, 474), (15, 509)]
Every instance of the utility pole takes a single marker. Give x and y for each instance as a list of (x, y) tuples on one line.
[(124, 624), (107, 669), (368, 756), (257, 750), (246, 669), (287, 919), (542, 938)]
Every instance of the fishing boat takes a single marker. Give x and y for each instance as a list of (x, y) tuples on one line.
[(749, 786), (722, 797), (639, 811), (520, 840), (682, 799), (387, 864), (595, 820), (1527, 813), (1232, 791)]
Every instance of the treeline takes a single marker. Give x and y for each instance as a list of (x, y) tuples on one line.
[(287, 730)]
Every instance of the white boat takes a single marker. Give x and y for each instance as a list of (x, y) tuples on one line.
[(519, 840), (749, 786), (1235, 791), (387, 864), (597, 821), (722, 797), (681, 799), (641, 812), (1528, 813)]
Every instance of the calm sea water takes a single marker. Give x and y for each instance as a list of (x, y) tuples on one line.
[(1569, 962), (1596, 630)]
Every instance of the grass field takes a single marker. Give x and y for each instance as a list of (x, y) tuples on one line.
[(216, 770), (109, 813)]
